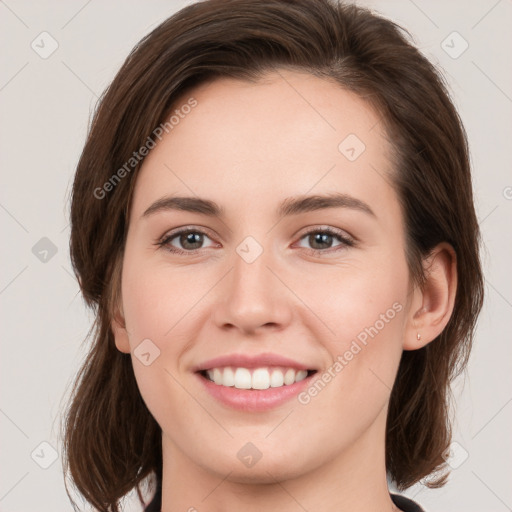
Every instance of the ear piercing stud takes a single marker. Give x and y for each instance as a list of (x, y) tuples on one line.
[(418, 336)]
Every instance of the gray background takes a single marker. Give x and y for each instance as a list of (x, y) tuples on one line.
[(45, 106)]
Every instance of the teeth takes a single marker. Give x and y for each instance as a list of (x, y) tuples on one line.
[(277, 379), (260, 378), (217, 376), (289, 376), (228, 378), (242, 378)]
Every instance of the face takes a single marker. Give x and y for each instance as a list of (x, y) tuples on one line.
[(305, 300)]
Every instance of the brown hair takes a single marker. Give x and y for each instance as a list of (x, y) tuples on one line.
[(111, 440)]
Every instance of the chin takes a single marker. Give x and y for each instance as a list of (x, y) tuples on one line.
[(244, 463), (264, 472)]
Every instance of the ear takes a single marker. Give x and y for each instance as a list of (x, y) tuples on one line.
[(118, 326), (432, 306)]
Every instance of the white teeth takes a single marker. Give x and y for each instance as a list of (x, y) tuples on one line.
[(217, 376), (301, 375), (229, 377), (259, 378), (289, 376), (243, 378), (277, 379)]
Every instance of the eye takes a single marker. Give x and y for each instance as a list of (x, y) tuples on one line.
[(321, 239), (189, 239)]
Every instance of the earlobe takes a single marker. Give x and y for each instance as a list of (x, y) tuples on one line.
[(118, 326), (432, 306)]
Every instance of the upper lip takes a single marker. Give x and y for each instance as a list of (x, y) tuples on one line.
[(247, 361)]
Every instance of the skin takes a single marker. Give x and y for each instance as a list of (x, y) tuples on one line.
[(248, 146)]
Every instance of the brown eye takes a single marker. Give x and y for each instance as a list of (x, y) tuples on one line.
[(184, 241), (320, 240), (191, 240)]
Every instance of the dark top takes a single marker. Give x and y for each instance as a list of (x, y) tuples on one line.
[(403, 503)]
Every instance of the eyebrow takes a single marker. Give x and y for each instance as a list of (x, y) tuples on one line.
[(290, 206)]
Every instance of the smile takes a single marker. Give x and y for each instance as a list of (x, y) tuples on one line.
[(253, 382), (255, 378)]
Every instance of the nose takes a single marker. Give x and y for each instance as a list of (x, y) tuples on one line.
[(253, 298)]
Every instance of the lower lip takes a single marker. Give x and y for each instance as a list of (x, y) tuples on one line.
[(254, 399)]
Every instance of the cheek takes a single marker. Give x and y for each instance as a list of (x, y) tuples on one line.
[(155, 300), (353, 298), (157, 308), (365, 311)]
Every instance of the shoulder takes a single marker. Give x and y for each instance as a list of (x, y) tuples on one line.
[(406, 504)]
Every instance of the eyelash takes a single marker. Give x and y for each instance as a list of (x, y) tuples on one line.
[(345, 241)]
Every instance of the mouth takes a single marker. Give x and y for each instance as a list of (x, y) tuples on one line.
[(253, 383), (255, 378)]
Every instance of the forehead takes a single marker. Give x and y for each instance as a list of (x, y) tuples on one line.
[(287, 134)]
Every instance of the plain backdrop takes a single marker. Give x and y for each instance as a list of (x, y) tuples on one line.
[(46, 102)]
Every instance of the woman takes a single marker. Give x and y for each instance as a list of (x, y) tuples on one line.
[(273, 219)]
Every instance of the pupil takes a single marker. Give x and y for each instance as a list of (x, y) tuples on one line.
[(192, 238)]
